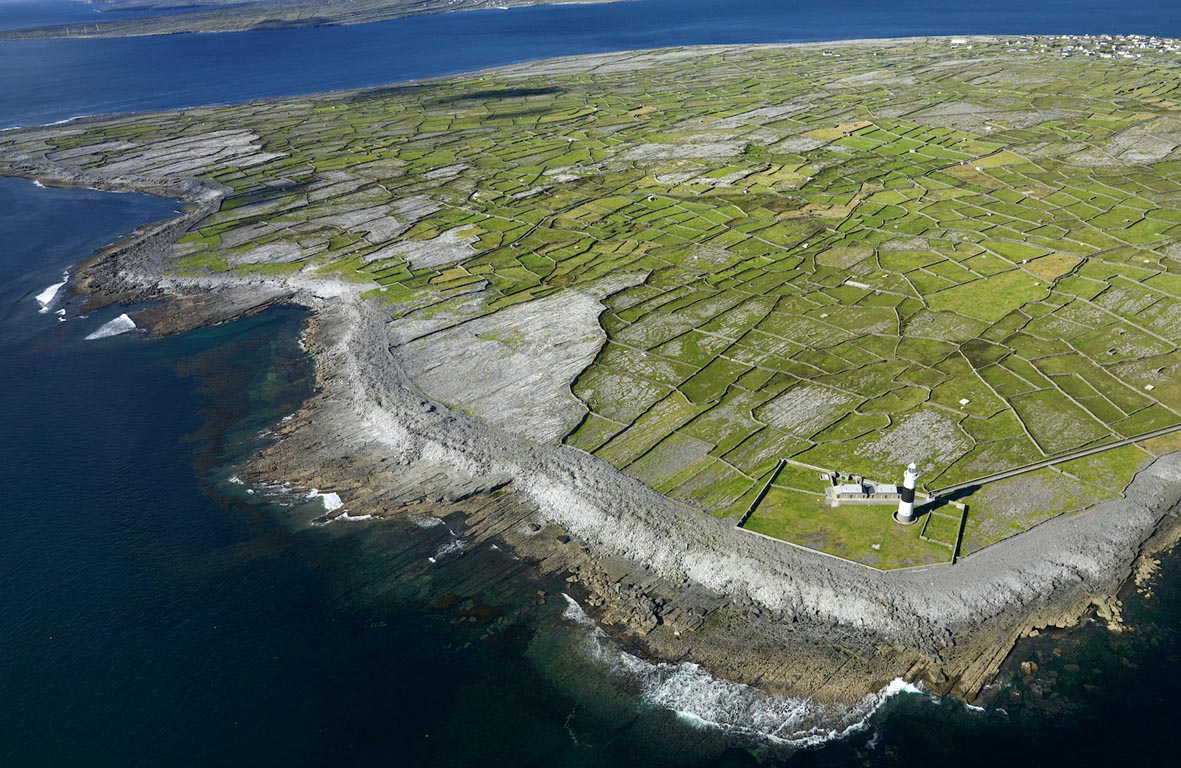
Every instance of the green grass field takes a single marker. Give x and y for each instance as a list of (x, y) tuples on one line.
[(866, 534)]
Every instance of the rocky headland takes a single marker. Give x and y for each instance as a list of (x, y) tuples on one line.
[(667, 579)]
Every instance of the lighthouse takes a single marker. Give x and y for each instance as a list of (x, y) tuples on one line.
[(905, 513)]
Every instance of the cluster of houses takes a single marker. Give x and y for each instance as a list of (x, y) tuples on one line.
[(1100, 46)]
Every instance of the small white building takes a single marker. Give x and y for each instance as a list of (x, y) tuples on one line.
[(858, 490)]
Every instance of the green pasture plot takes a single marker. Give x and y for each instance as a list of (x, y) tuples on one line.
[(1118, 464), (792, 477), (1000, 426), (1165, 283), (943, 525), (711, 382), (593, 432), (865, 534), (720, 490), (1005, 383), (654, 425), (899, 400), (990, 298), (1148, 419), (1006, 508), (988, 458), (853, 426), (672, 461), (763, 449), (1057, 423)]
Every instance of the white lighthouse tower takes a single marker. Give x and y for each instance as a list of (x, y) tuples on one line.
[(905, 513)]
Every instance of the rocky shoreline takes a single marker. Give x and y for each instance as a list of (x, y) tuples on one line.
[(668, 581)]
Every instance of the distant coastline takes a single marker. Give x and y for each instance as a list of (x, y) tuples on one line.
[(214, 16)]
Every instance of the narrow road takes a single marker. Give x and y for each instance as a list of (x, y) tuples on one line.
[(1059, 459)]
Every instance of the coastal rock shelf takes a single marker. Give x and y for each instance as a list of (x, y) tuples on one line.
[(588, 307)]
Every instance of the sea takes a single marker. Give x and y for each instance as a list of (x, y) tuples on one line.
[(23, 14), (156, 611)]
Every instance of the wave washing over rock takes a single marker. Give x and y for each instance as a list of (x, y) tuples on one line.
[(47, 296), (121, 324), (738, 710), (331, 501)]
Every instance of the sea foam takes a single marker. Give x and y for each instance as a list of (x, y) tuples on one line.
[(121, 324), (331, 501), (46, 297), (739, 710)]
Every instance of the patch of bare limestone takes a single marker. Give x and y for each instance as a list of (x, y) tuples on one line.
[(446, 248), (713, 149), (447, 172), (1147, 142), (188, 155), (929, 438), (760, 117), (565, 173), (798, 144), (89, 151), (512, 369), (804, 409), (884, 77), (966, 116), (278, 252)]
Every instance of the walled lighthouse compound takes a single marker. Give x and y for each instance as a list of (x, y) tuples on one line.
[(905, 513)]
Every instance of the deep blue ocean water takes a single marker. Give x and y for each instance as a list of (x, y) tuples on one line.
[(153, 613), (86, 77)]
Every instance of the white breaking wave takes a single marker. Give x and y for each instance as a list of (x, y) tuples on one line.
[(121, 324), (575, 613), (734, 708), (450, 549), (331, 501), (46, 297), (425, 521)]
